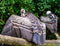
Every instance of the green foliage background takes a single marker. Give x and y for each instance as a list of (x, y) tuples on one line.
[(37, 7)]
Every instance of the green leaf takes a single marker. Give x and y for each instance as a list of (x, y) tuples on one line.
[(47, 6), (2, 22), (28, 1)]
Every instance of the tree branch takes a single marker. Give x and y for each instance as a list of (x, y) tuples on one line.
[(12, 40), (20, 42)]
